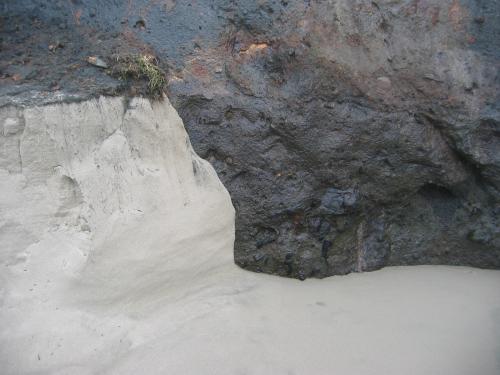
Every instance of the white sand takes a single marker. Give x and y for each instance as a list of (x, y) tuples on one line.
[(116, 258)]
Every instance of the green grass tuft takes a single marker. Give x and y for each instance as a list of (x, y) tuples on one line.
[(138, 67), (156, 77)]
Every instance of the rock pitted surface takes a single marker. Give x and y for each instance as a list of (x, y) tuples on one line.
[(351, 135)]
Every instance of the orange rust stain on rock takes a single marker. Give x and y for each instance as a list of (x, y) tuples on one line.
[(435, 15), (77, 15), (254, 47), (456, 15), (198, 70)]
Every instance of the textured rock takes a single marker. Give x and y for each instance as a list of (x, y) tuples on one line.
[(350, 134)]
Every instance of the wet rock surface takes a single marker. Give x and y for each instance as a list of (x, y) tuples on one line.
[(351, 135)]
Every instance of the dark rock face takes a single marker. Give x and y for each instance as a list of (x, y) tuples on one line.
[(351, 134)]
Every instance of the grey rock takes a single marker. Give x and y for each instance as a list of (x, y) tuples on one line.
[(97, 61), (337, 201)]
